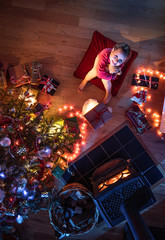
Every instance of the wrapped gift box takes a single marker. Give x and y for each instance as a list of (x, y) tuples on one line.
[(25, 74), (72, 126), (145, 81), (40, 108), (98, 116), (48, 85), (138, 119), (58, 172), (139, 97)]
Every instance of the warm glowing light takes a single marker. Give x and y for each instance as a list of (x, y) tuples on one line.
[(125, 173), (149, 97), (17, 142), (65, 107), (154, 114), (71, 114), (60, 109), (156, 120), (161, 76), (83, 142), (148, 110), (71, 107), (77, 113), (156, 124), (159, 133), (157, 72)]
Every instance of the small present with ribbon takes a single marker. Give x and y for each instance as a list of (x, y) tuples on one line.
[(72, 127), (138, 119), (48, 85), (40, 108), (140, 97), (98, 116)]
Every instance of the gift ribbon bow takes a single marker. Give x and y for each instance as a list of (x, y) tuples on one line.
[(99, 114), (48, 85)]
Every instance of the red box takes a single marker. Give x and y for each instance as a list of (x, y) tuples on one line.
[(98, 116)]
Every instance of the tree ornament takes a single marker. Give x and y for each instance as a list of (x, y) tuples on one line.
[(10, 129), (10, 91), (19, 219), (5, 142), (21, 150), (12, 110), (44, 153)]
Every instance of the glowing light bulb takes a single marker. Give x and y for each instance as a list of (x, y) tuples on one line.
[(161, 75), (2, 175), (71, 114), (60, 109), (149, 97), (17, 142), (19, 219), (65, 107), (25, 193), (71, 107), (148, 110), (159, 133)]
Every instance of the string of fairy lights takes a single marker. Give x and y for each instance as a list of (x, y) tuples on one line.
[(72, 112), (154, 115)]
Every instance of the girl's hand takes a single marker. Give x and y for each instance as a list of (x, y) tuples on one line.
[(114, 69)]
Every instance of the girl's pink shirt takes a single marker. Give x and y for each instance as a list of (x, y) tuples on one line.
[(103, 60)]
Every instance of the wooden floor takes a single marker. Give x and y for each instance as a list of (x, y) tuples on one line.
[(57, 33)]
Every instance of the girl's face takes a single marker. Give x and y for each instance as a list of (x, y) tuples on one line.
[(117, 57)]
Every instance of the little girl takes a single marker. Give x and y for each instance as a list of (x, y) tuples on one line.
[(107, 66)]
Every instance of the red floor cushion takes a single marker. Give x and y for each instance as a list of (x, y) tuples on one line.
[(98, 43)]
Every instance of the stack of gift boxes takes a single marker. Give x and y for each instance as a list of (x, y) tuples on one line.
[(29, 73)]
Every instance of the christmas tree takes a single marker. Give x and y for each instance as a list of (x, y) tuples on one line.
[(30, 148)]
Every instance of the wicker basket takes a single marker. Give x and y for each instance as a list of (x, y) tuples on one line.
[(59, 222)]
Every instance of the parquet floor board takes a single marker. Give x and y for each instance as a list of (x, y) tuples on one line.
[(57, 33)]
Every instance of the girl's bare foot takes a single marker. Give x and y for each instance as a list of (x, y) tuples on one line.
[(107, 98), (81, 86)]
